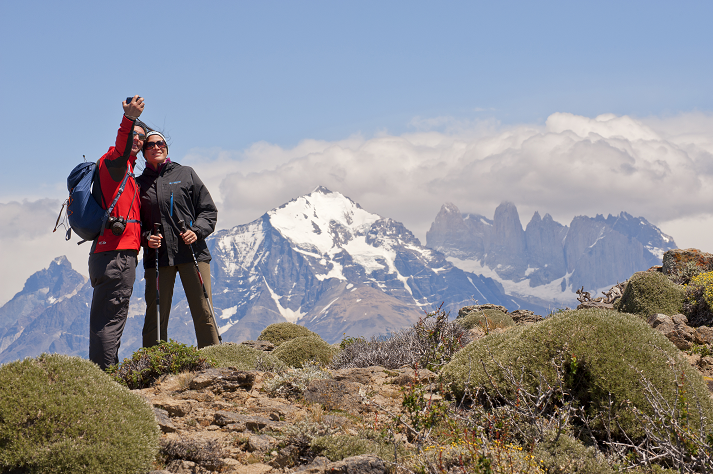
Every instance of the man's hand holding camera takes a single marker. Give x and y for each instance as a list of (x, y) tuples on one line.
[(133, 106)]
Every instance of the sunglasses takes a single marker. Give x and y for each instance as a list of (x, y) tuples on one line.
[(141, 136), (160, 144)]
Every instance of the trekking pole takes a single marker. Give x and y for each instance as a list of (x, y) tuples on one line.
[(156, 230), (182, 227)]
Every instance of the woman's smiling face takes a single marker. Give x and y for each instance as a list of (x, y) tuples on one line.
[(155, 150)]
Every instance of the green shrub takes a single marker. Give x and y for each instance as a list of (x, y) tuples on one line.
[(149, 363), (294, 382), (487, 319), (565, 454), (242, 357), (299, 350), (281, 332), (648, 293), (607, 353), (341, 446), (61, 414)]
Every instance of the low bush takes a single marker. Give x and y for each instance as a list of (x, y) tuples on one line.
[(564, 454), (648, 293), (608, 356), (487, 319), (281, 332), (61, 414), (293, 383), (242, 357), (430, 343), (295, 352), (149, 363), (340, 446)]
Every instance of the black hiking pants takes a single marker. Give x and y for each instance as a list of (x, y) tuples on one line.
[(112, 276)]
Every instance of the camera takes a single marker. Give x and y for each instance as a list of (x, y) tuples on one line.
[(116, 224)]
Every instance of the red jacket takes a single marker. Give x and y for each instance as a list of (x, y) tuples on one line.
[(112, 168)]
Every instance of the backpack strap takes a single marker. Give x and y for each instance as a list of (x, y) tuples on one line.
[(116, 198)]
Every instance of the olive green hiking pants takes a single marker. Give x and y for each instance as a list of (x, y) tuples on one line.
[(206, 332)]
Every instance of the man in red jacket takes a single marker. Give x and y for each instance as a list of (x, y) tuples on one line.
[(114, 254)]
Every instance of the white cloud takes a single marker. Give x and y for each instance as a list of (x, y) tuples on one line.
[(657, 168), (29, 245)]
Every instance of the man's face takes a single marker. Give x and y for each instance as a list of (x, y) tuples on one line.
[(139, 137)]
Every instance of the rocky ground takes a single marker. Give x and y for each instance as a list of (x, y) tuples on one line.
[(233, 425), (231, 421), (227, 422)]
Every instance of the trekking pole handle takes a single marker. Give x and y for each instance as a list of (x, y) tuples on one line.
[(182, 226), (156, 228)]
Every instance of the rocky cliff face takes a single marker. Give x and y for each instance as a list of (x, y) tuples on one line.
[(547, 257), (320, 260)]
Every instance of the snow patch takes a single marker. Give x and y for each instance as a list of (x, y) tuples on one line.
[(228, 312), (549, 292), (327, 307), (287, 313)]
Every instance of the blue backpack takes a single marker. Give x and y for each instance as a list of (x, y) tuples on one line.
[(84, 214)]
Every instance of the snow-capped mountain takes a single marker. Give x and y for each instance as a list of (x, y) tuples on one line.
[(320, 260), (322, 257), (547, 261)]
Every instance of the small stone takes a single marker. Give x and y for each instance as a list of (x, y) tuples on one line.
[(264, 346), (236, 427), (656, 320), (257, 468), (260, 443), (287, 457), (164, 422), (180, 466), (679, 320), (680, 339), (175, 408), (202, 396), (703, 335)]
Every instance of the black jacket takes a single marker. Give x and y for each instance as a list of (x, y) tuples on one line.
[(175, 193)]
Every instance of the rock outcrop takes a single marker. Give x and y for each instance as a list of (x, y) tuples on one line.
[(679, 262), (677, 330)]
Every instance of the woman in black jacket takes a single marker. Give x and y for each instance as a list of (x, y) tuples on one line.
[(170, 193)]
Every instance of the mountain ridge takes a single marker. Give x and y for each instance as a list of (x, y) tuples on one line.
[(591, 252)]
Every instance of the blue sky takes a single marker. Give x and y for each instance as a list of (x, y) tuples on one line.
[(245, 87), (228, 74)]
